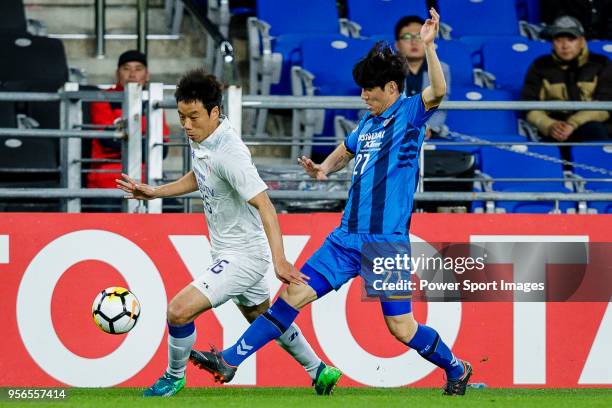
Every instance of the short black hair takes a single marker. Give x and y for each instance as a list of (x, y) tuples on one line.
[(199, 85), (380, 66), (404, 21)]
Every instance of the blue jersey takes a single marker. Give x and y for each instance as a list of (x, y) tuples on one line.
[(386, 149)]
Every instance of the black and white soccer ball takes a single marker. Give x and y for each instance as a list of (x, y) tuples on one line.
[(116, 310)]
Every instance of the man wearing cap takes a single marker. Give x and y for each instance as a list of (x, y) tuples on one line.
[(569, 73), (131, 67)]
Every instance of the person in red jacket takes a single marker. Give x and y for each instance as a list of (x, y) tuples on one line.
[(131, 67)]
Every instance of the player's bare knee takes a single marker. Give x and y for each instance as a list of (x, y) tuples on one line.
[(401, 333), (252, 312), (402, 327), (178, 313), (298, 296)]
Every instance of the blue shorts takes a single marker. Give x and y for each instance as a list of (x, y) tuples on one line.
[(338, 260)]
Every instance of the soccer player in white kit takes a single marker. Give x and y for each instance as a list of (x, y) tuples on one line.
[(244, 233)]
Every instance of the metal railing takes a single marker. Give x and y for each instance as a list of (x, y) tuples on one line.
[(72, 132), (100, 27), (222, 58), (142, 28), (70, 99)]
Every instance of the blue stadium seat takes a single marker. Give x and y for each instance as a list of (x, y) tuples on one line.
[(379, 16), (289, 23), (596, 156), (488, 124), (298, 16), (482, 17), (330, 61), (498, 163), (529, 10), (509, 60), (275, 36), (601, 47), (458, 58)]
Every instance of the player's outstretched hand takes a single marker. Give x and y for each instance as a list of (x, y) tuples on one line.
[(429, 30), (312, 169), (287, 273), (135, 190)]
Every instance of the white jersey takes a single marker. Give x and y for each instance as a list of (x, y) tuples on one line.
[(227, 179)]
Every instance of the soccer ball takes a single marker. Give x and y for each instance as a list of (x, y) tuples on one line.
[(115, 310)]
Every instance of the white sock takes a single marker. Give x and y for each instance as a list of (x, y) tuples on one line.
[(295, 344), (178, 354)]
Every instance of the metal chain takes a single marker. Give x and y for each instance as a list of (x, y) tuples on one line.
[(452, 135)]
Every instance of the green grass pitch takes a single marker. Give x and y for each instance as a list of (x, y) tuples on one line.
[(343, 397)]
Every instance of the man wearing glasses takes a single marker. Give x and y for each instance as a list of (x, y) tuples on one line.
[(409, 45)]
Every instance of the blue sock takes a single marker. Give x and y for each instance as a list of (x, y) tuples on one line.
[(267, 327), (429, 345), (181, 332)]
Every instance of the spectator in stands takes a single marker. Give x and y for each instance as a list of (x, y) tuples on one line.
[(571, 73), (409, 45), (131, 67), (595, 15)]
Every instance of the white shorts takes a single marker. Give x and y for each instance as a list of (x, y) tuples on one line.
[(235, 276)]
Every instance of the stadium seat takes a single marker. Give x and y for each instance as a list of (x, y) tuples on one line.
[(326, 69), (23, 56), (447, 163), (529, 10), (379, 16), (479, 17), (601, 47), (8, 117), (497, 163), (275, 36), (488, 124), (12, 17), (458, 58), (284, 25), (600, 157), (508, 60)]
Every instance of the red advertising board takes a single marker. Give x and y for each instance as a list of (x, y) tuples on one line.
[(53, 265)]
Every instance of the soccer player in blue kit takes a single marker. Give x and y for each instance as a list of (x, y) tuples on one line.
[(386, 146)]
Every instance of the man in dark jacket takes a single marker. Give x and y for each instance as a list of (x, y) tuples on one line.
[(569, 73)]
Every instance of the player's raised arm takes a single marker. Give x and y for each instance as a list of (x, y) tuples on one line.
[(433, 94), (141, 191), (284, 270), (337, 160)]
